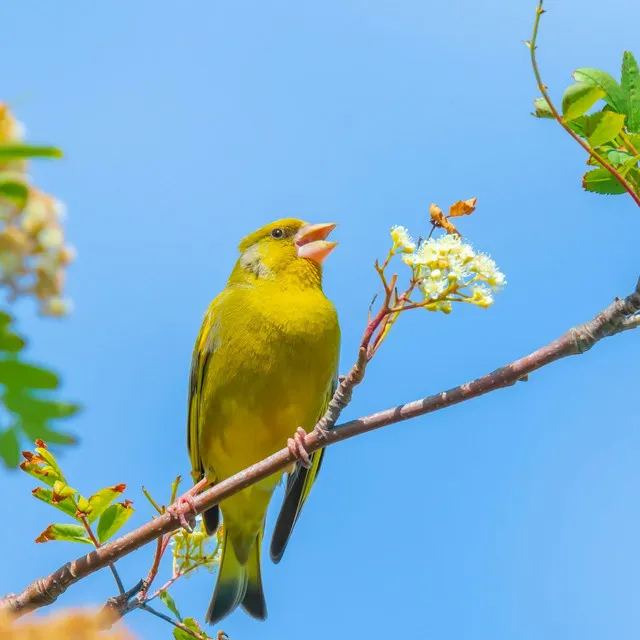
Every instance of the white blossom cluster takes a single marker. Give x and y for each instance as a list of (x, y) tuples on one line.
[(33, 253), (447, 270)]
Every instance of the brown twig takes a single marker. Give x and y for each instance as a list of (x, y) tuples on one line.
[(617, 317), (175, 623)]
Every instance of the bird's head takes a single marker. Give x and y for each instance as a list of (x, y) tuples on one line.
[(287, 248)]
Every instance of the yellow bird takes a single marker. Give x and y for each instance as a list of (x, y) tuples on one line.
[(264, 365)]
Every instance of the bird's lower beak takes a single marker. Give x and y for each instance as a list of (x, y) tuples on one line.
[(311, 241)]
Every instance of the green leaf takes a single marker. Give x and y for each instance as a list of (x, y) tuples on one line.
[(68, 532), (40, 431), (616, 157), (10, 342), (10, 448), (629, 165), (46, 495), (30, 407), (14, 187), (19, 151), (601, 181), (112, 519), (192, 624), (17, 375), (577, 125), (542, 108), (603, 127), (167, 598), (5, 319), (43, 473), (99, 501), (602, 80), (631, 89), (579, 98)]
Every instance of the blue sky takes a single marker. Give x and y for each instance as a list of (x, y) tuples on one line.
[(187, 126)]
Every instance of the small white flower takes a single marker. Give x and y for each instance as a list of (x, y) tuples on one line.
[(51, 237), (487, 270), (402, 241), (481, 296), (59, 209), (432, 289)]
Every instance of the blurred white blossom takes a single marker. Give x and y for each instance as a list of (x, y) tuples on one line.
[(33, 253)]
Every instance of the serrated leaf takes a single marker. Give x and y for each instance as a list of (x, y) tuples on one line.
[(603, 127), (68, 532), (602, 80), (10, 448), (46, 495), (167, 598), (578, 99), (30, 407), (192, 624), (113, 519), (19, 151), (14, 187), (601, 181), (542, 108), (99, 501), (577, 125), (19, 375), (630, 85)]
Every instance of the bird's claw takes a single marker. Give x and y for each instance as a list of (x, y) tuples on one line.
[(297, 449), (184, 506)]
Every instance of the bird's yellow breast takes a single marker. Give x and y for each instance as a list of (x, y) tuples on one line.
[(275, 355)]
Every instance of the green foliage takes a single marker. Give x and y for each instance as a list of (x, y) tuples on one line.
[(170, 603), (601, 181), (612, 131), (192, 624), (20, 151), (31, 411), (43, 466), (578, 99), (113, 519)]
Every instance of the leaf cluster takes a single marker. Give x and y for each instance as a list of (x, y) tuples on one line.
[(99, 508), (30, 406), (613, 131)]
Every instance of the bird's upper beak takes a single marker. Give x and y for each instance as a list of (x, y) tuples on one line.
[(311, 242)]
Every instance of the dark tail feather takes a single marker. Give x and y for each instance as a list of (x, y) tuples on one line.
[(230, 587), (298, 487), (253, 602), (211, 518)]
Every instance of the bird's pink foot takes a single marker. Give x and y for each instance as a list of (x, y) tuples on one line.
[(297, 448), (184, 508)]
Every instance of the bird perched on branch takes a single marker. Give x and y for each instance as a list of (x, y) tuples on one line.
[(263, 371)]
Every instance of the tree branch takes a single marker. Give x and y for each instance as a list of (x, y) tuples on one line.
[(619, 316)]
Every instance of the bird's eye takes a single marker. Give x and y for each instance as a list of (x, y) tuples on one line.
[(277, 233)]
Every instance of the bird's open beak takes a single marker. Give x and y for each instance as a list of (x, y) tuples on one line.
[(311, 242)]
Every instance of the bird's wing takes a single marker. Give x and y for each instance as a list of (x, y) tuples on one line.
[(202, 354), (299, 485)]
